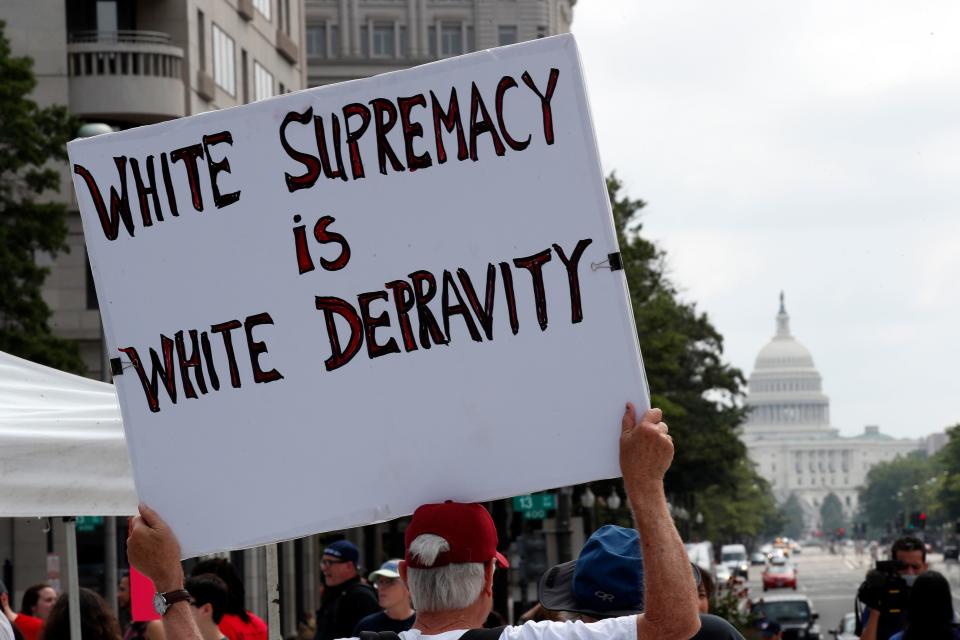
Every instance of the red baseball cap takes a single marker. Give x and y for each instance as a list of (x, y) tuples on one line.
[(467, 528)]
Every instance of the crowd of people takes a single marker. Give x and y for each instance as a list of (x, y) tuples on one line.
[(627, 583)]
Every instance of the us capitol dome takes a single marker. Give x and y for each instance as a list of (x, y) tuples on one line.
[(789, 436)]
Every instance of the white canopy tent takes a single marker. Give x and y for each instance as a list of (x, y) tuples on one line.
[(63, 453), (62, 448)]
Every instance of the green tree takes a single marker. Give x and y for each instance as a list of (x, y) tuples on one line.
[(30, 139), (698, 391), (831, 514), (901, 485), (792, 513), (948, 493)]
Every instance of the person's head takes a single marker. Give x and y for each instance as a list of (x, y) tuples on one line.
[(123, 592), (771, 629), (911, 553), (339, 562), (391, 591), (97, 621), (38, 600), (208, 599), (451, 553), (929, 608), (223, 569), (705, 591)]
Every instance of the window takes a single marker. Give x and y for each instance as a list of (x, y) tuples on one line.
[(507, 34), (262, 82), (224, 65), (263, 6), (384, 40), (201, 41), (244, 76), (541, 31), (317, 41), (451, 39)]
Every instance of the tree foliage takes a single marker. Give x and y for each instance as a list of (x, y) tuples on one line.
[(902, 485), (793, 517), (831, 513), (698, 391), (30, 138)]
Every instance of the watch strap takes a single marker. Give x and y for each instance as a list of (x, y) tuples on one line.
[(173, 597)]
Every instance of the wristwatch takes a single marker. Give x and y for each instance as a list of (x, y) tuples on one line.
[(163, 601)]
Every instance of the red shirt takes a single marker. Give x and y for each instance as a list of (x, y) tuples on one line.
[(29, 626), (236, 629)]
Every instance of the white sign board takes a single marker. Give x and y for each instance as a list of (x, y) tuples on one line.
[(338, 304)]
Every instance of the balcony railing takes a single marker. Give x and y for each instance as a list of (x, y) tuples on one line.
[(132, 37)]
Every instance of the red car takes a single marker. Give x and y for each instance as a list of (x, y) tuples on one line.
[(779, 575)]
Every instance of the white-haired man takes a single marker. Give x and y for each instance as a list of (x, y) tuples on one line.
[(451, 556)]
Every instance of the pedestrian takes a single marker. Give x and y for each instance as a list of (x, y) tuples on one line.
[(911, 554), (451, 555), (771, 629), (124, 615), (237, 623), (346, 598), (38, 600), (97, 621), (607, 581), (394, 598), (7, 631), (208, 602), (705, 591), (24, 627), (929, 610)]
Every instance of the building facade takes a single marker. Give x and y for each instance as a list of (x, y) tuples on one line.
[(126, 63), (348, 39), (789, 436)]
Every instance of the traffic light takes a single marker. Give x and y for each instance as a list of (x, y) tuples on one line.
[(923, 520), (914, 520), (841, 532)]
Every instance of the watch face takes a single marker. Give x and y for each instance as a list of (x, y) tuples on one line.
[(159, 603)]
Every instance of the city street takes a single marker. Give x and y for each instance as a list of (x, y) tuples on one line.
[(831, 581)]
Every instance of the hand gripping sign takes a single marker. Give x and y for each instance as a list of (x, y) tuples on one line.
[(332, 306)]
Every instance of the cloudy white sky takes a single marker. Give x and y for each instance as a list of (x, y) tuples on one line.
[(812, 147)]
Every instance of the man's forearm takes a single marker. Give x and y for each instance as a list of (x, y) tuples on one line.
[(670, 594), (178, 623)]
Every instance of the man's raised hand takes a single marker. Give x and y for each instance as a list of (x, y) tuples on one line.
[(153, 550), (646, 449)]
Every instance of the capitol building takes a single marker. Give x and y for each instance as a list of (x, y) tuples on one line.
[(788, 433)]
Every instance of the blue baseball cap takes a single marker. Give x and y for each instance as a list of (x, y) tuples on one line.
[(389, 569), (769, 628), (343, 550), (605, 581)]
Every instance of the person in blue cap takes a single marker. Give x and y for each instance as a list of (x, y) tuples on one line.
[(346, 598), (606, 581), (771, 629), (398, 614)]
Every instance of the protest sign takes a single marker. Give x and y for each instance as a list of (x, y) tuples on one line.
[(335, 305)]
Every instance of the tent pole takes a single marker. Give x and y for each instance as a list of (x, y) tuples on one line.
[(273, 593), (73, 578), (110, 561)]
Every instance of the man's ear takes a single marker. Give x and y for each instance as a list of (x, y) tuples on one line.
[(402, 569), (207, 610), (488, 576)]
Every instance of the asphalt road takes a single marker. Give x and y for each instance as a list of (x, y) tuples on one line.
[(830, 581)]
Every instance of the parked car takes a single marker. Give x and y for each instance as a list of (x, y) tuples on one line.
[(793, 612), (951, 552), (723, 574), (847, 629), (758, 558), (734, 556), (778, 576)]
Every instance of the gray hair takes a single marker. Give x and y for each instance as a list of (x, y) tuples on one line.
[(454, 586)]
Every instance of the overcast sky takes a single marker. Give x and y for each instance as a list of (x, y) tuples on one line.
[(812, 147)]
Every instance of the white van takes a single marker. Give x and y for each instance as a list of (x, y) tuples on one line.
[(734, 556)]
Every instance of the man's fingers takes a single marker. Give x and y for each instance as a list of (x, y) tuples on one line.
[(662, 427), (629, 417), (150, 517), (653, 415)]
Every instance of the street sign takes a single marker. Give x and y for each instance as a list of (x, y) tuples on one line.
[(535, 507), (86, 524)]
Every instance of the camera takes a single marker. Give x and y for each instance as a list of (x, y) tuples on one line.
[(884, 589)]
